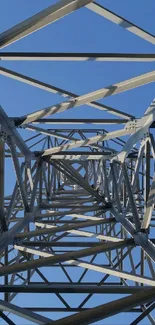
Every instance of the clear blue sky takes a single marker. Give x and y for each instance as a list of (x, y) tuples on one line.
[(82, 31)]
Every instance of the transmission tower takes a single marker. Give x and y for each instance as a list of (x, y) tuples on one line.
[(77, 231)]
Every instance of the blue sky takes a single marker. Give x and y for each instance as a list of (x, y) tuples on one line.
[(82, 31)]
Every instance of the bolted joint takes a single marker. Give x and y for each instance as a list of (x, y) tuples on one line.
[(132, 124), (3, 135), (30, 216), (141, 238), (16, 241), (27, 209), (38, 153), (37, 219), (18, 121), (107, 205), (4, 225), (27, 163), (145, 231)]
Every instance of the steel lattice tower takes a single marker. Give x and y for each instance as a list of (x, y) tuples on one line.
[(83, 198)]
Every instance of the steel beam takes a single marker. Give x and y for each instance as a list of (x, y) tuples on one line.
[(108, 309), (56, 90), (73, 244), (40, 20), (9, 129), (87, 142), (21, 312), (3, 224), (6, 318), (72, 288), (106, 13), (92, 267), (79, 191), (149, 206), (139, 129), (79, 121), (81, 233), (71, 309), (88, 98), (83, 209), (143, 315), (55, 134), (18, 267), (83, 224), (42, 56)]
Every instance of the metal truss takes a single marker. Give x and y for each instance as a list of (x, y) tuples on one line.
[(83, 199)]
